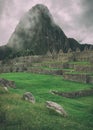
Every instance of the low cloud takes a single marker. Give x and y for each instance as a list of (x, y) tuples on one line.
[(75, 17)]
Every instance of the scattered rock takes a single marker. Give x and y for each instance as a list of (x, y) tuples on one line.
[(29, 97), (58, 108), (7, 83)]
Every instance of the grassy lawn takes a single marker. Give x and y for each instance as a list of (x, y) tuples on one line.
[(17, 114)]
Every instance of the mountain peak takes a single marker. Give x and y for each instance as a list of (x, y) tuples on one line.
[(38, 32), (40, 7)]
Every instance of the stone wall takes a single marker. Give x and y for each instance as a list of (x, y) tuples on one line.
[(77, 77), (50, 65), (91, 79), (75, 94), (83, 68), (45, 71), (30, 69)]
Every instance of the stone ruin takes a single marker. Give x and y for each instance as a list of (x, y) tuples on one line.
[(55, 64)]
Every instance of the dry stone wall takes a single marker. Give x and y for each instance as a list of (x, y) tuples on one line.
[(82, 68), (91, 79), (77, 77)]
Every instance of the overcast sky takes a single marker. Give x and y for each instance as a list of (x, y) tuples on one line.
[(75, 17)]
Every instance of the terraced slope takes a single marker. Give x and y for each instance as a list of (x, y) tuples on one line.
[(81, 72)]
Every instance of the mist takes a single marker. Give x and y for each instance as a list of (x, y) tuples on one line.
[(75, 17)]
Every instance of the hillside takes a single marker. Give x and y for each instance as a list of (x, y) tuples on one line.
[(17, 114)]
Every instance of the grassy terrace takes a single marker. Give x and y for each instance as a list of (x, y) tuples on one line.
[(76, 72), (49, 62), (80, 63), (46, 68), (16, 114), (68, 70)]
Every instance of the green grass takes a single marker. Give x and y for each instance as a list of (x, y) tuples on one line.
[(17, 114)]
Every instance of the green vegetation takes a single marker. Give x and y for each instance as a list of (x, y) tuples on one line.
[(17, 114), (7, 53)]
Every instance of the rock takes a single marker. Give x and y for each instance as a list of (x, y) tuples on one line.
[(29, 97), (58, 108), (7, 83), (6, 89), (3, 90)]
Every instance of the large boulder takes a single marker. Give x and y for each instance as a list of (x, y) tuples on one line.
[(56, 107), (28, 96)]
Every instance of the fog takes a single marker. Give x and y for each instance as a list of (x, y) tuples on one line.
[(75, 17)]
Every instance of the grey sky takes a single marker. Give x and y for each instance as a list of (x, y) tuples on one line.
[(75, 17)]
